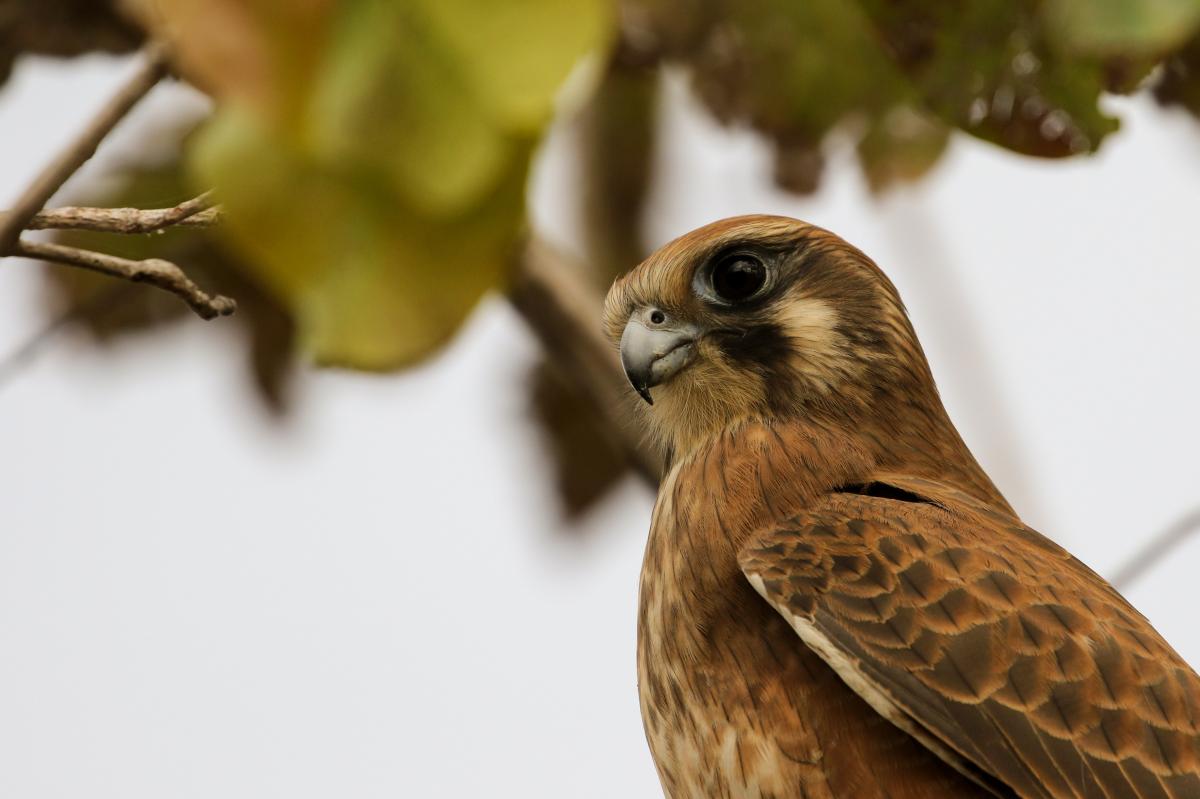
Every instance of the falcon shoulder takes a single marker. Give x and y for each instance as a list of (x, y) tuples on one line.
[(985, 641)]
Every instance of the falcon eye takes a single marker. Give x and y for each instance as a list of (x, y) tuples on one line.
[(738, 277)]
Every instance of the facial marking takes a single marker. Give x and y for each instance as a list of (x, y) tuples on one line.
[(817, 349), (823, 333)]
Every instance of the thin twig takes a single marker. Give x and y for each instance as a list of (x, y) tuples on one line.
[(155, 271), (556, 302), (83, 147), (1157, 549), (28, 213), (197, 212)]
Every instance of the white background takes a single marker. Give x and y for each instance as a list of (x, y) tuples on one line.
[(195, 601)]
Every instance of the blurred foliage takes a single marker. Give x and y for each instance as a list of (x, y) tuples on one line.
[(62, 28), (1119, 28), (265, 323), (372, 154), (587, 462), (903, 72), (1180, 80)]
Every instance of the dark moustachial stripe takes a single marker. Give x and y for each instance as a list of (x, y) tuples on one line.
[(763, 347), (759, 344)]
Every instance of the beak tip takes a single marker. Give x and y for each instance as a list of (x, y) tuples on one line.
[(651, 355)]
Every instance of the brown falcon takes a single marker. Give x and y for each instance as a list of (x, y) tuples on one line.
[(835, 600)]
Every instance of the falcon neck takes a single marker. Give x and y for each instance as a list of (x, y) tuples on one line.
[(779, 467), (909, 432), (757, 474)]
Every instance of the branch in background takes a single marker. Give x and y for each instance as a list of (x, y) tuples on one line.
[(28, 213), (1158, 548), (155, 271), (83, 147), (197, 212), (558, 305)]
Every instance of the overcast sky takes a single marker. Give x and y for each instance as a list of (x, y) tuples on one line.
[(197, 602)]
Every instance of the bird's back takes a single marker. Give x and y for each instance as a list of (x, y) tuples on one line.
[(733, 702)]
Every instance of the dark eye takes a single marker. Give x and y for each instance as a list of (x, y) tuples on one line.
[(738, 277)]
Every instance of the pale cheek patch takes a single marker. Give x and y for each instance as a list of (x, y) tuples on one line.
[(809, 321), (818, 353)]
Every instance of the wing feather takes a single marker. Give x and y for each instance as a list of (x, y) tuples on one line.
[(987, 642)]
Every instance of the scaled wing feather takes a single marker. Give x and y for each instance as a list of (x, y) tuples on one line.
[(991, 645)]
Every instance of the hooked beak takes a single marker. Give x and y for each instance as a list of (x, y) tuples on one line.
[(654, 348)]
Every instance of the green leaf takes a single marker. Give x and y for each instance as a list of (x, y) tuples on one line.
[(374, 283), (988, 68), (795, 71), (372, 154), (392, 100), (1122, 27), (995, 69), (901, 145), (782, 66), (515, 54)]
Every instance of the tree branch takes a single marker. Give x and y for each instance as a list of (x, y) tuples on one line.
[(83, 147), (1157, 549), (561, 310), (155, 271), (28, 213), (196, 212)]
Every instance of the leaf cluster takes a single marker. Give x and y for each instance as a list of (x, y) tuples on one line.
[(372, 155)]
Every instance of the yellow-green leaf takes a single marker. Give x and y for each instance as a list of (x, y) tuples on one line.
[(515, 54), (374, 284), (392, 100), (1122, 27), (901, 145), (372, 154)]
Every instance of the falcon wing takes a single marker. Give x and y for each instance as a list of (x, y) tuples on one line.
[(988, 643)]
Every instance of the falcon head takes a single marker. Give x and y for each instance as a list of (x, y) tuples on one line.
[(760, 316)]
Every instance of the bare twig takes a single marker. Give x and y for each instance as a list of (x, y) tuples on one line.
[(28, 213), (155, 271), (82, 148), (1157, 549), (557, 304), (197, 212)]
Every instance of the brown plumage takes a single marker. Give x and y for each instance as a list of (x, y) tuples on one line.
[(835, 600)]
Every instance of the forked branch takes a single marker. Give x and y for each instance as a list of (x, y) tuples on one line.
[(154, 271), (83, 147), (27, 214)]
